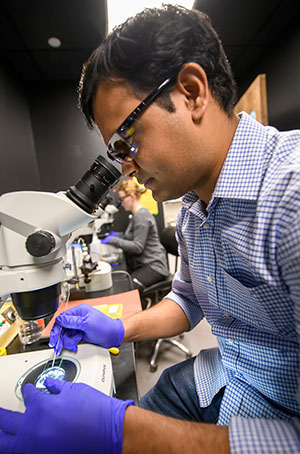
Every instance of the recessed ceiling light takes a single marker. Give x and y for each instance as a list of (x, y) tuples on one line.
[(54, 42)]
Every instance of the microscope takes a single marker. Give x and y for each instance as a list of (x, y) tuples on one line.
[(34, 229)]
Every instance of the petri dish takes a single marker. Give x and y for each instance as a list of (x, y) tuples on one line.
[(53, 372), (64, 368)]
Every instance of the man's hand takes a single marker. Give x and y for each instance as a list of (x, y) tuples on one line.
[(75, 418), (85, 323)]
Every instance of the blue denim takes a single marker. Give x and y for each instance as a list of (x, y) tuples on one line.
[(175, 395)]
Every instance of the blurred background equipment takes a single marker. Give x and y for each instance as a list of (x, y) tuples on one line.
[(103, 223), (84, 270)]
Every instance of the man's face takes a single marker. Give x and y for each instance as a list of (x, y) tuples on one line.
[(164, 162)]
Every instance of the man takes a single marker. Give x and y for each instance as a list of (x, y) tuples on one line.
[(238, 234)]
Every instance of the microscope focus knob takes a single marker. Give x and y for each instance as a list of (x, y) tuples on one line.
[(40, 243)]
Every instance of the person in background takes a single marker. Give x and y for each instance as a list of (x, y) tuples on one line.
[(145, 256), (161, 91)]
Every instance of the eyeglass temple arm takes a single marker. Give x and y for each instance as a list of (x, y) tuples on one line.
[(142, 106)]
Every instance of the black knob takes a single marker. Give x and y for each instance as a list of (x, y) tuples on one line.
[(40, 243)]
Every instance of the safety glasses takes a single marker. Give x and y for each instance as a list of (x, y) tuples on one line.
[(121, 147), (123, 198)]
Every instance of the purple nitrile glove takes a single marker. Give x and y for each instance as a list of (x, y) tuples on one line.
[(74, 419), (86, 323), (108, 237)]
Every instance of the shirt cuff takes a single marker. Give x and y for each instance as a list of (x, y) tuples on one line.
[(193, 312), (262, 436)]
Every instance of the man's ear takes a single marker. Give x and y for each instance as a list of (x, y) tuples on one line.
[(192, 82)]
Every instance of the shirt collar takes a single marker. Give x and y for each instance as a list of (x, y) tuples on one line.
[(241, 174)]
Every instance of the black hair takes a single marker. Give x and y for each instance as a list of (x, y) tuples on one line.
[(154, 45)]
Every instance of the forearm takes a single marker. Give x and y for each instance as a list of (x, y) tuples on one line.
[(165, 319), (148, 432), (128, 246)]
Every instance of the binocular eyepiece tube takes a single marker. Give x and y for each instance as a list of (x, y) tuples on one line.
[(94, 185)]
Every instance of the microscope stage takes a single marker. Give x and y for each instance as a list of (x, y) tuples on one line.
[(91, 365)]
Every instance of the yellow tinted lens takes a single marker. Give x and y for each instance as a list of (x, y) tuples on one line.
[(120, 149)]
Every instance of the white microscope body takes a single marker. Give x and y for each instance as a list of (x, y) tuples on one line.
[(34, 229), (23, 214)]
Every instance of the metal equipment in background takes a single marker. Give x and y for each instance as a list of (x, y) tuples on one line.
[(85, 269)]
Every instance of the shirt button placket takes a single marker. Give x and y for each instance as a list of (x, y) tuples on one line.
[(210, 264)]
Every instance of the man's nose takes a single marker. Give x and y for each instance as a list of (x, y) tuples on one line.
[(129, 169)]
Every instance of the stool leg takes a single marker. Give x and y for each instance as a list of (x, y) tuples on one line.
[(153, 363), (148, 303), (180, 346)]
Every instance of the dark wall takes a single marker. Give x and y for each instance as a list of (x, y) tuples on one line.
[(65, 147), (281, 63), (18, 167)]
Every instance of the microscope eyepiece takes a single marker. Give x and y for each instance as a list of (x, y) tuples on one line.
[(94, 185)]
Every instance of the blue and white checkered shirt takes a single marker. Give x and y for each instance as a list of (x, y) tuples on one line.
[(240, 268)]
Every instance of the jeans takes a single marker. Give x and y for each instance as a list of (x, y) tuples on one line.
[(175, 395)]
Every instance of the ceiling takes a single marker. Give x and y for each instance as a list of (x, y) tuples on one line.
[(26, 25), (246, 29)]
